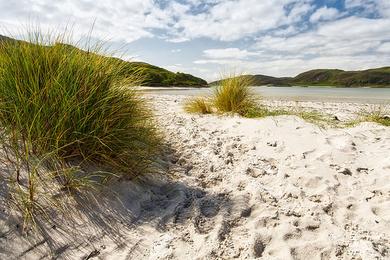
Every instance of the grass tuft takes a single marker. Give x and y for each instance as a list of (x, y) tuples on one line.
[(380, 115), (62, 108), (262, 111), (198, 105), (234, 95)]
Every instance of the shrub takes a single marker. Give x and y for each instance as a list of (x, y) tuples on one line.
[(234, 95), (198, 105)]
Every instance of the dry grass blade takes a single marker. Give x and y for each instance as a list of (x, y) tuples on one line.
[(234, 95), (377, 114), (61, 108), (198, 105)]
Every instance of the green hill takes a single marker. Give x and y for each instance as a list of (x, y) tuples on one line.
[(156, 76), (379, 77), (152, 75), (262, 80)]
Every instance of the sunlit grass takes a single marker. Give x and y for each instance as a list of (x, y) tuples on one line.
[(234, 95), (377, 114), (198, 105), (62, 109)]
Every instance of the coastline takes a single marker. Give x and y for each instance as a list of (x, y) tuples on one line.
[(313, 94)]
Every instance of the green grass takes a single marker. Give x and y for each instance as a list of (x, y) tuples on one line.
[(198, 105), (62, 109), (309, 116), (380, 115), (262, 111), (234, 95)]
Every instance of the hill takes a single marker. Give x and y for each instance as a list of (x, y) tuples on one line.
[(379, 77), (155, 76), (152, 75), (262, 80)]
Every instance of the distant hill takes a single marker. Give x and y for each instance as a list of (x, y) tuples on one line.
[(152, 75), (379, 77), (2, 38), (156, 76), (262, 80)]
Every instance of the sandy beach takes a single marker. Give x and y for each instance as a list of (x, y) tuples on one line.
[(231, 187)]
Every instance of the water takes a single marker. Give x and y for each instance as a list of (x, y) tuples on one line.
[(326, 94)]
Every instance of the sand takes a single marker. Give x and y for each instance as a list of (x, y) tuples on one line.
[(272, 188)]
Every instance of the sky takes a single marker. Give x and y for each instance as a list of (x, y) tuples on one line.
[(210, 37)]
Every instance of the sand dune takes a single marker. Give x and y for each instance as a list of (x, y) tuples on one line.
[(273, 188)]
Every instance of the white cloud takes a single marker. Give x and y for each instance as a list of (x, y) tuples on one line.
[(346, 36), (130, 20), (228, 53), (293, 66), (385, 48), (117, 20), (348, 43), (280, 37), (232, 20), (324, 14), (382, 7)]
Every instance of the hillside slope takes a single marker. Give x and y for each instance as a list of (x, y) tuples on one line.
[(262, 80), (152, 75), (156, 76), (379, 77)]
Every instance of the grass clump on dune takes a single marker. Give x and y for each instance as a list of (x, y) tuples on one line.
[(380, 115), (61, 108), (198, 105), (262, 111), (234, 95)]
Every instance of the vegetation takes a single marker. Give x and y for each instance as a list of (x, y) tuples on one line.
[(159, 77), (379, 77), (62, 110), (374, 77), (262, 111), (150, 75), (234, 95), (261, 80), (380, 115), (198, 105), (309, 116)]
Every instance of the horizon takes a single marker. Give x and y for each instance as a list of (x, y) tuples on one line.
[(279, 38)]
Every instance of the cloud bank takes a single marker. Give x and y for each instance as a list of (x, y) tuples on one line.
[(276, 37)]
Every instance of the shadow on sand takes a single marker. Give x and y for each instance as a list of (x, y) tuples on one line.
[(117, 213)]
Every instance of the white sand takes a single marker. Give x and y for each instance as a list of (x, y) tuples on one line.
[(279, 188)]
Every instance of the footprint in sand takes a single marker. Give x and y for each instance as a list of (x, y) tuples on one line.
[(342, 143), (204, 222)]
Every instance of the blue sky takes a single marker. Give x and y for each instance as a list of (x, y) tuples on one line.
[(207, 37)]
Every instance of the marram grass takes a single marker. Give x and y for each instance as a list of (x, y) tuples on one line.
[(234, 95), (377, 114), (63, 106), (198, 105), (76, 103)]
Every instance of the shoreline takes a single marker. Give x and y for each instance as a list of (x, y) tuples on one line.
[(289, 94)]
